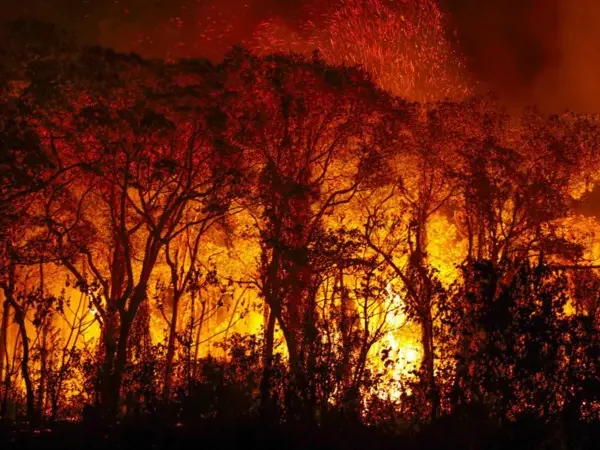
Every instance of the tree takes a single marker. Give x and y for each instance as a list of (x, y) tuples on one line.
[(143, 165), (187, 276), (527, 347), (514, 181), (419, 185), (307, 126), (27, 297), (33, 63)]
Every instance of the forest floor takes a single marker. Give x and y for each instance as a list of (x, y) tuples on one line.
[(249, 435)]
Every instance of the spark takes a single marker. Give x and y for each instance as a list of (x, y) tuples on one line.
[(403, 44)]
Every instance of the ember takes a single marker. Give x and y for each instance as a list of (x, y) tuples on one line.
[(352, 239)]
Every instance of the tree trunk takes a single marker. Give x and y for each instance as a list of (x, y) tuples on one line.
[(352, 372), (114, 376), (299, 403), (3, 343), (4, 401), (9, 290), (198, 336), (292, 391), (30, 396), (109, 337), (116, 352), (428, 363), (309, 368), (265, 384), (425, 294), (41, 393), (171, 349)]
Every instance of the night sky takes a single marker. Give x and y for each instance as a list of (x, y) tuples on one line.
[(528, 51)]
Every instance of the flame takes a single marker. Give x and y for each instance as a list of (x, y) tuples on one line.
[(407, 52), (402, 346)]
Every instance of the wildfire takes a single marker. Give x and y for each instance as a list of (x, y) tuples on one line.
[(293, 221), (400, 344)]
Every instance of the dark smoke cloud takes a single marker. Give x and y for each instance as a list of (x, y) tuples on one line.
[(542, 52), (511, 45), (155, 28)]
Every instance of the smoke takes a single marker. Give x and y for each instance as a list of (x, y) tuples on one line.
[(579, 73), (539, 52)]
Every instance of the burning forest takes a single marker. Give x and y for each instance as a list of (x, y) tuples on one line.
[(330, 236)]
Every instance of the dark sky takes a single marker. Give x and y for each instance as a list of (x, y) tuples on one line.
[(534, 51), (529, 51)]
